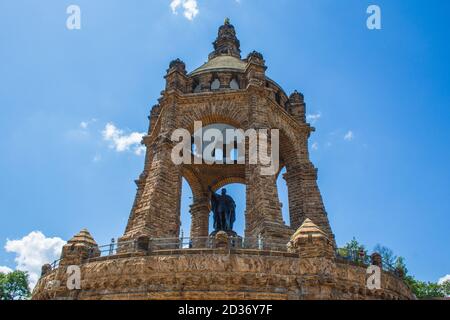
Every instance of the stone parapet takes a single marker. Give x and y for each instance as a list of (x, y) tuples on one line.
[(219, 275)]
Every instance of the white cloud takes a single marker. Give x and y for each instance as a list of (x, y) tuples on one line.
[(97, 158), (315, 146), (190, 8), (444, 279), (349, 136), (123, 142), (313, 118), (5, 269), (33, 251), (85, 124)]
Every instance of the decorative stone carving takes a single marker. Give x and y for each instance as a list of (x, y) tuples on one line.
[(81, 247), (226, 42), (220, 276), (256, 57), (221, 240), (309, 241), (177, 65), (376, 260), (296, 106)]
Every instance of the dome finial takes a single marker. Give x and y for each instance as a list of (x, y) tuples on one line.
[(226, 43)]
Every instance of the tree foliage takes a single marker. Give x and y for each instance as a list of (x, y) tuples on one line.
[(387, 254), (422, 290), (14, 286), (352, 251), (428, 290)]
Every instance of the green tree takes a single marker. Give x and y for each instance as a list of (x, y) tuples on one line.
[(352, 252), (421, 289), (446, 287), (387, 255), (401, 265), (425, 290), (390, 260), (14, 286)]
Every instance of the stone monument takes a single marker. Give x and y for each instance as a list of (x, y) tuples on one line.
[(274, 260)]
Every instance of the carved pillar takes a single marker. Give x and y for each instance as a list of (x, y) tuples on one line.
[(225, 79), (296, 107), (293, 182), (176, 78), (263, 212), (205, 82), (264, 216), (199, 222), (305, 200), (156, 211)]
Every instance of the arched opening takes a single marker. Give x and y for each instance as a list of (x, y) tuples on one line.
[(238, 192), (185, 207), (223, 151), (283, 196), (233, 177), (215, 85), (234, 85), (196, 86)]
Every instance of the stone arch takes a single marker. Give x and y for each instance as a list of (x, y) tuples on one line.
[(305, 200), (231, 113), (224, 182), (257, 102), (203, 175), (194, 182)]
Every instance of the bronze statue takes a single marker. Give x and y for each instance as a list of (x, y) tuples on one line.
[(224, 210)]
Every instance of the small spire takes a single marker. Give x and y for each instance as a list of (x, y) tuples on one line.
[(83, 236), (226, 43), (308, 228)]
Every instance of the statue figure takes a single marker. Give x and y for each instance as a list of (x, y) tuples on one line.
[(224, 210)]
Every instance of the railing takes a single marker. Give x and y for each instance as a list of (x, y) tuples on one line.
[(55, 264), (115, 248), (256, 243), (156, 245), (361, 258)]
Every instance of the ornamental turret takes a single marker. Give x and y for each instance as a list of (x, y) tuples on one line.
[(226, 43)]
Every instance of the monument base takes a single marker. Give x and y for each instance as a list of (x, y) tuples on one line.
[(215, 275), (230, 234)]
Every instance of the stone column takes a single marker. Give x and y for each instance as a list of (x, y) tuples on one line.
[(199, 222), (156, 211), (263, 212), (305, 200), (205, 81), (225, 79), (293, 182)]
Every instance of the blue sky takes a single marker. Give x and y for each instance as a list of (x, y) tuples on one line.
[(387, 183)]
